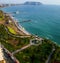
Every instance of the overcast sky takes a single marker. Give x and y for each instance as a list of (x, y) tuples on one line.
[(57, 2)]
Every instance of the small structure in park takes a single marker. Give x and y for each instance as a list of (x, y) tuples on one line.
[(36, 41), (8, 22)]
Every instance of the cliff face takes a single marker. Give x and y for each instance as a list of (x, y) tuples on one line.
[(32, 3)]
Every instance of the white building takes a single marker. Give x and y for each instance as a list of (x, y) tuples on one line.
[(2, 60)]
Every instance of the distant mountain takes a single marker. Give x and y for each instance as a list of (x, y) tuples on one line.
[(32, 3)]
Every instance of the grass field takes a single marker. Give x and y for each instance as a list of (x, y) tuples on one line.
[(11, 30)]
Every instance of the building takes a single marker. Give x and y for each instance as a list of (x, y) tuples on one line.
[(2, 60)]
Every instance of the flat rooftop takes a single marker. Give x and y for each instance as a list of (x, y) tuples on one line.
[(1, 54)]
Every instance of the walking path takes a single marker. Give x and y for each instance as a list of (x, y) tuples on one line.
[(21, 49), (16, 35)]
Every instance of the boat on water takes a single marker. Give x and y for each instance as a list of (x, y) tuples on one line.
[(17, 12)]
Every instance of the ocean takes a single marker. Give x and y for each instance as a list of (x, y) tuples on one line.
[(44, 19)]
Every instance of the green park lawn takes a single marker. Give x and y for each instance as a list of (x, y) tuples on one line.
[(11, 30)]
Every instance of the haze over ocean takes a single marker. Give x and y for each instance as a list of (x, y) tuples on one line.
[(45, 19)]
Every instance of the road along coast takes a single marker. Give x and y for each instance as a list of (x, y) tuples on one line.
[(17, 27)]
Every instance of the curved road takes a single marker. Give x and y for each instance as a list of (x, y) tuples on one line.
[(48, 60)]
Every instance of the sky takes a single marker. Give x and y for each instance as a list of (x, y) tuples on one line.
[(53, 2)]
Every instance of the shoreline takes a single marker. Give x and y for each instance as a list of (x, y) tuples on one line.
[(21, 30), (25, 31), (16, 44), (18, 26)]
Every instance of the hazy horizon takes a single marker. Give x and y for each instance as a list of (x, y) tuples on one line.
[(50, 2)]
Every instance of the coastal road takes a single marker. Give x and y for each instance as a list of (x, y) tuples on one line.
[(19, 27), (48, 60), (8, 58)]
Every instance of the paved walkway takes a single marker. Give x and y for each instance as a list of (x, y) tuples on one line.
[(21, 49), (16, 35)]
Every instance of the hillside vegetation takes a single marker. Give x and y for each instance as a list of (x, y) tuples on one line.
[(33, 54)]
